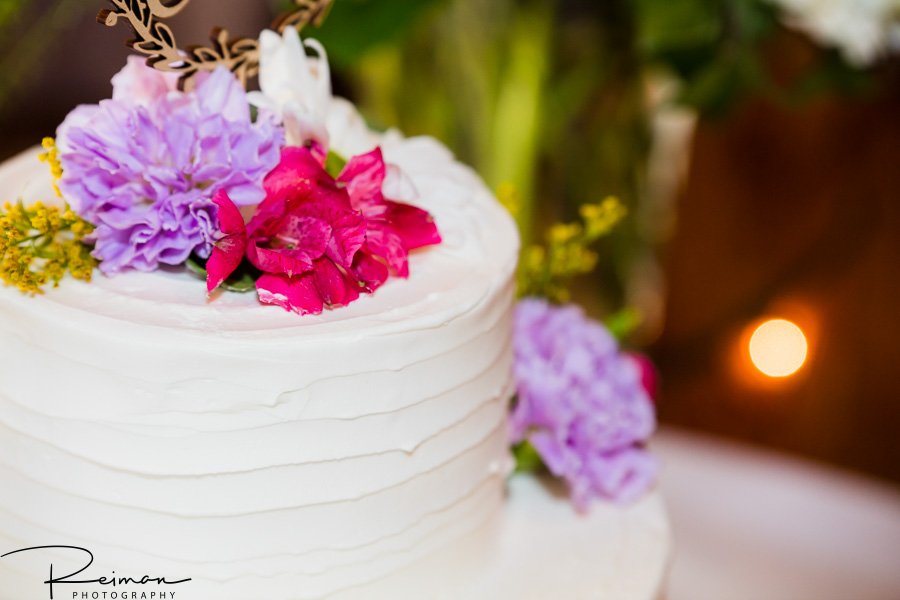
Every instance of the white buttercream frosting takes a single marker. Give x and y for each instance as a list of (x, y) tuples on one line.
[(250, 448)]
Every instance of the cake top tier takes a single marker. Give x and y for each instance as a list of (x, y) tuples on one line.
[(478, 253)]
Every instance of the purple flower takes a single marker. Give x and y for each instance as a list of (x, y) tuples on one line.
[(581, 404), (145, 166)]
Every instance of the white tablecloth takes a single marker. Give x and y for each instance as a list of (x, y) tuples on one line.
[(755, 525)]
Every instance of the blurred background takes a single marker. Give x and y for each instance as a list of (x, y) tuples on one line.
[(756, 144)]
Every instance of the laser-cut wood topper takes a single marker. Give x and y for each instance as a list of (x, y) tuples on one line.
[(155, 39)]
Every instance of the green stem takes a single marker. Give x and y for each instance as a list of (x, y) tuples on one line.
[(30, 239)]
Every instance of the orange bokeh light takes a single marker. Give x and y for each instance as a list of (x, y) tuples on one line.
[(778, 348), (773, 353)]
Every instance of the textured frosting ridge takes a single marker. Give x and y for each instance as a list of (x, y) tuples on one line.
[(260, 453)]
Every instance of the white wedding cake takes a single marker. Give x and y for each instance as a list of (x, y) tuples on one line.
[(157, 443), (264, 456), (251, 450)]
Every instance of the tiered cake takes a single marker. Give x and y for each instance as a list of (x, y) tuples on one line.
[(266, 456), (159, 443)]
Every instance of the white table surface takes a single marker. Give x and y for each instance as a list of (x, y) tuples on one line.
[(756, 525)]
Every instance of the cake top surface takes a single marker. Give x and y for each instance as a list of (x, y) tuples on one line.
[(478, 254)]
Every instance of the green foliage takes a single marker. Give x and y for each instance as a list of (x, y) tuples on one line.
[(9, 11), (624, 323), (678, 26), (242, 281), (527, 458), (712, 46), (39, 245), (335, 163), (355, 27)]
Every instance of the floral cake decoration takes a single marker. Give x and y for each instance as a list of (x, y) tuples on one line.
[(184, 168), (164, 173), (584, 409)]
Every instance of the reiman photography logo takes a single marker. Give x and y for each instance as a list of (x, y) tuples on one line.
[(115, 587)]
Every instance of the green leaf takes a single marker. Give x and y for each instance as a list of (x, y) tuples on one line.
[(196, 267), (624, 323), (244, 284), (677, 25), (527, 458), (243, 281), (335, 163)]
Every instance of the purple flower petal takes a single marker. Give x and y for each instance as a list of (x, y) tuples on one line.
[(581, 404), (145, 166)]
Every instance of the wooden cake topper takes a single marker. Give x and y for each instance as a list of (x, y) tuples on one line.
[(156, 40)]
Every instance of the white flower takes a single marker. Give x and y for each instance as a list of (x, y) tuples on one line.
[(862, 29), (348, 131), (296, 87)]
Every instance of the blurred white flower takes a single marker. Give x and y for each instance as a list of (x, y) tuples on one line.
[(296, 87), (862, 29)]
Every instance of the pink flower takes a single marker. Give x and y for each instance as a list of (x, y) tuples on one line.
[(307, 238), (228, 250), (139, 84), (392, 229), (648, 372), (320, 242)]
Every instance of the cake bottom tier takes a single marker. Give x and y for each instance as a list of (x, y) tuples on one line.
[(533, 546)]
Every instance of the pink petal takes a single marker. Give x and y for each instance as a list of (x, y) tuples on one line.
[(648, 373), (388, 246), (313, 230), (228, 252), (334, 287), (349, 236), (141, 84), (230, 219), (225, 258), (370, 271), (267, 216), (364, 176), (300, 177), (416, 227), (279, 261), (294, 294), (305, 231), (276, 218)]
